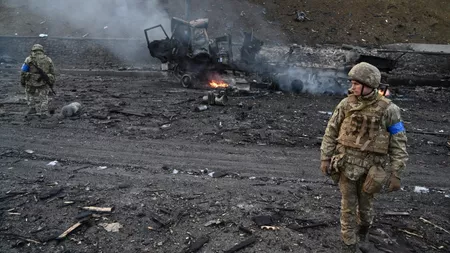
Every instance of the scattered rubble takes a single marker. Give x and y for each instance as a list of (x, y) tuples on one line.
[(69, 230), (301, 16), (157, 150), (421, 189), (71, 109), (111, 227), (98, 209), (52, 163)]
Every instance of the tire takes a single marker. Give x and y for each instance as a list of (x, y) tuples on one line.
[(186, 81)]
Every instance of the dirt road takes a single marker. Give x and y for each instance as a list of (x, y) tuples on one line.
[(175, 175)]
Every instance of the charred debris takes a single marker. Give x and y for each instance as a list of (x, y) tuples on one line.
[(196, 60)]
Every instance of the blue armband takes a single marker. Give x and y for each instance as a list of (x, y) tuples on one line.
[(25, 68), (396, 128)]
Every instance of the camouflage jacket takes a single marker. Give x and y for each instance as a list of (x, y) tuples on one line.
[(30, 75), (358, 162)]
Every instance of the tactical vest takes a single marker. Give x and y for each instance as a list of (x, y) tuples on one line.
[(35, 79), (362, 127)]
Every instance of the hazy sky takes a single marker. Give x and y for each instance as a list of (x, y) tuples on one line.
[(99, 18)]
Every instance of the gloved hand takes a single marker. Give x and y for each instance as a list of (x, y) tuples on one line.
[(325, 167), (393, 183)]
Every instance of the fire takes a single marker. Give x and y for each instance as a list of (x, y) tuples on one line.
[(218, 84), (388, 93)]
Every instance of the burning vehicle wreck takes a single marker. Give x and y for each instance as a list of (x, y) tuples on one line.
[(194, 59), (220, 151), (190, 54)]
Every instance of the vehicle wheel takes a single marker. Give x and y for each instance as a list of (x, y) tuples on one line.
[(177, 72), (186, 81)]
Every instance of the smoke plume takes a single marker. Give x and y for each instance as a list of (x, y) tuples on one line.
[(94, 18), (235, 17), (312, 80)]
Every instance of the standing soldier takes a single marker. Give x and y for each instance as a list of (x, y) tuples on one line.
[(364, 135), (37, 77)]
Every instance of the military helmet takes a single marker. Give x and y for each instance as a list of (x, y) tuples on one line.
[(37, 47), (366, 74)]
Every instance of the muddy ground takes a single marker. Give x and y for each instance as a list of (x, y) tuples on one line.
[(175, 176)]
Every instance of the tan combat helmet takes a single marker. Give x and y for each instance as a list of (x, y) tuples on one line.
[(37, 47), (366, 74)]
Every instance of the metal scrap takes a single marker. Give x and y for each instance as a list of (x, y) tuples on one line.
[(111, 227), (301, 17), (270, 228), (213, 222), (196, 245)]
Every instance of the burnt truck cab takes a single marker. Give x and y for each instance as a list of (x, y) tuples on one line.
[(192, 39), (189, 52)]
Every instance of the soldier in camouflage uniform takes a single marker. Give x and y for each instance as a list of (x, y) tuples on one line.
[(364, 148), (36, 87)]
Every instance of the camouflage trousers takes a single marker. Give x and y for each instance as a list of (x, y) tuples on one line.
[(356, 208), (37, 98)]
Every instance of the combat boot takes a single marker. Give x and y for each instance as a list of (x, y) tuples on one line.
[(352, 248), (363, 234), (364, 244)]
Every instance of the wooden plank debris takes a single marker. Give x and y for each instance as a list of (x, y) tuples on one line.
[(184, 101), (159, 220), (11, 194), (411, 52), (50, 193), (428, 133), (300, 228), (19, 237), (270, 228), (410, 233), (245, 230), (396, 213), (196, 245), (242, 245), (69, 230), (434, 225), (98, 209), (384, 249), (128, 113)]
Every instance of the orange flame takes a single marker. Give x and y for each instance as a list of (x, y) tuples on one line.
[(388, 93), (218, 84)]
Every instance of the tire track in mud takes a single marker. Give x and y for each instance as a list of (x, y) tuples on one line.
[(153, 154)]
